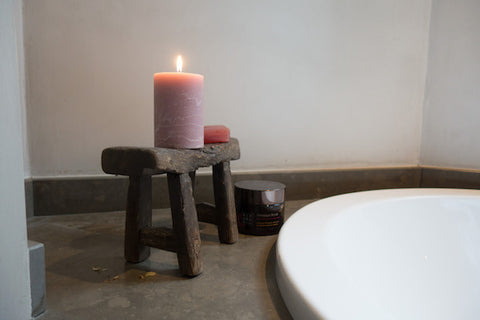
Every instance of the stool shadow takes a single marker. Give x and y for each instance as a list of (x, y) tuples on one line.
[(205, 237), (99, 258)]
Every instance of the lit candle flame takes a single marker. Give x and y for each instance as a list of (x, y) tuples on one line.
[(179, 64)]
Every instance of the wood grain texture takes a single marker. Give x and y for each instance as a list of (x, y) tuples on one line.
[(207, 212), (139, 216), (134, 161), (192, 177), (225, 203), (160, 238), (185, 223)]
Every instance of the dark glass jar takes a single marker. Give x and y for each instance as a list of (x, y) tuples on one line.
[(260, 206)]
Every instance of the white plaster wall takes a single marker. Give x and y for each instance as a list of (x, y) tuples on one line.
[(302, 84), (15, 300), (451, 128), (22, 82)]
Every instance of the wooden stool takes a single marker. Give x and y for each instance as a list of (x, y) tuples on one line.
[(180, 166)]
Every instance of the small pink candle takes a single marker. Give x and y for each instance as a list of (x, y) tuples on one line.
[(178, 100)]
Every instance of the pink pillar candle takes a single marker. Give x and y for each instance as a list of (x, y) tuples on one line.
[(178, 99)]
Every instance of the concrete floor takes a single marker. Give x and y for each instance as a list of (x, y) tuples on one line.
[(87, 277)]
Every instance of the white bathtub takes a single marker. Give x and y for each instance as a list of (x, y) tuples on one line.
[(387, 254)]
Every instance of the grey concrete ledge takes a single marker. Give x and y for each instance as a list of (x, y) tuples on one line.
[(108, 193)]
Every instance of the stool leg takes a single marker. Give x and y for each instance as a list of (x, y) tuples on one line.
[(185, 223), (192, 177), (138, 216), (225, 203)]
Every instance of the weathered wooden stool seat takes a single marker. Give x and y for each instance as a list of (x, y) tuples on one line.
[(180, 166)]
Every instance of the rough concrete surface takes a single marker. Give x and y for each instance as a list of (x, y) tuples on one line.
[(87, 277)]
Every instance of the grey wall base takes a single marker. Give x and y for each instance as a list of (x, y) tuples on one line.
[(29, 197), (109, 193), (37, 277)]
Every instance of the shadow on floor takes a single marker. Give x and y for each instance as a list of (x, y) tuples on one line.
[(99, 258), (272, 286)]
